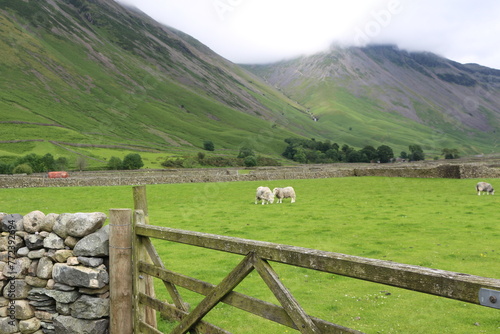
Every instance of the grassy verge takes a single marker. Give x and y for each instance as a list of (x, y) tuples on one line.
[(437, 223)]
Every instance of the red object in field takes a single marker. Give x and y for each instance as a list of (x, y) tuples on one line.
[(58, 175)]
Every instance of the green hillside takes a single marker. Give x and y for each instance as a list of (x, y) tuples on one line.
[(382, 95), (92, 79), (82, 75)]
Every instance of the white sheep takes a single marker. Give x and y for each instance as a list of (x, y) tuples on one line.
[(264, 194), (287, 192), (484, 187)]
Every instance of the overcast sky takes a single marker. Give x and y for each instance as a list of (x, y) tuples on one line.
[(259, 31)]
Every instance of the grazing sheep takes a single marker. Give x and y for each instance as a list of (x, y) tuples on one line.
[(264, 194), (484, 187), (287, 192)]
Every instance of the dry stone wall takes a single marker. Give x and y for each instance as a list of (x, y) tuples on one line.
[(142, 177), (53, 273)]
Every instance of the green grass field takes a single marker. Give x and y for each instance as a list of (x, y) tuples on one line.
[(436, 223)]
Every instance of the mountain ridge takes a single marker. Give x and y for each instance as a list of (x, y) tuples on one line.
[(422, 87), (106, 75)]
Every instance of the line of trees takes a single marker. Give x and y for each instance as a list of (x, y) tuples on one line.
[(246, 158), (33, 163), (130, 161), (313, 151)]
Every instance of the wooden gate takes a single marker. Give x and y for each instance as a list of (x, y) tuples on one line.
[(257, 255)]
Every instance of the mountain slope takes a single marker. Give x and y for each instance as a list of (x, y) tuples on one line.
[(93, 73), (387, 95), (94, 78)]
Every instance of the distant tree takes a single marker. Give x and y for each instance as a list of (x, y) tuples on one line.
[(384, 153), (61, 163), (208, 145), (245, 152), (33, 160), (300, 156), (48, 162), (370, 152), (416, 153), (132, 161), (403, 155), (23, 169), (115, 163), (201, 156), (345, 151), (450, 153), (312, 156), (324, 147), (81, 163), (250, 161), (356, 156), (333, 155), (5, 168)]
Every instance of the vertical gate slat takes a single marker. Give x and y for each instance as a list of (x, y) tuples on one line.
[(146, 284)]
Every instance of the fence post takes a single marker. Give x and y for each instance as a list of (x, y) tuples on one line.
[(146, 284), (120, 271)]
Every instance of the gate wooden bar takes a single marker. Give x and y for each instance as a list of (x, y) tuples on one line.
[(442, 283), (258, 255)]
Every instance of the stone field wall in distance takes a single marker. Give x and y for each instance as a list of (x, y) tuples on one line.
[(53, 273), (189, 175)]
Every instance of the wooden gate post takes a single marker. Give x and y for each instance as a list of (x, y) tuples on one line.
[(145, 285), (120, 271)]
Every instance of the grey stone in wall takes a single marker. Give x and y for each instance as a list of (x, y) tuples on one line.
[(60, 225), (45, 266), (11, 243), (36, 254), (63, 309), (64, 297), (23, 310), (71, 241), (8, 326), (36, 282), (62, 255), (33, 268), (32, 221), (48, 222), (80, 276), (53, 241), (70, 325), (23, 251), (12, 222), (17, 268), (63, 287), (83, 224), (29, 325), (34, 241), (16, 289), (90, 261), (94, 245), (87, 307), (4, 301), (101, 291)]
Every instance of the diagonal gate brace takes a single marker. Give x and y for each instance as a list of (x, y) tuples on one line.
[(297, 314), (234, 278)]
